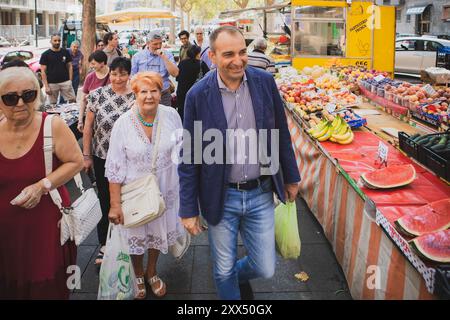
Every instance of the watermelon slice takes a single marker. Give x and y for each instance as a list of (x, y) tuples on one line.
[(389, 177), (433, 246), (432, 217)]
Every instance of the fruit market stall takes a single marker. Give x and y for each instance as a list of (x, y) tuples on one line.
[(371, 214), (359, 33), (69, 113)]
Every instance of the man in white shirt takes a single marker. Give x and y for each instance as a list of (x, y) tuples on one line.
[(199, 41)]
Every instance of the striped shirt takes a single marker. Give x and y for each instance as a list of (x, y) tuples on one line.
[(242, 154), (259, 60)]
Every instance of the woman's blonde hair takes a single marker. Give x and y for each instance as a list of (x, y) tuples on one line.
[(148, 77), (19, 74)]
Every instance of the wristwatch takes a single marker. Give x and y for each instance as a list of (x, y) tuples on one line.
[(47, 184)]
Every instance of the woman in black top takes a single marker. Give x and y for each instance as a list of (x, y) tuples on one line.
[(191, 70)]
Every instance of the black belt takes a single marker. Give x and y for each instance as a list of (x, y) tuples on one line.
[(249, 185)]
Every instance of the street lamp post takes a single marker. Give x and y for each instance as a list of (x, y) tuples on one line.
[(36, 22)]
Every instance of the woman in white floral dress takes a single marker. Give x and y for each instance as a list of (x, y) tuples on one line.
[(129, 158)]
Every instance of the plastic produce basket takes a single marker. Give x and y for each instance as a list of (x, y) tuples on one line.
[(408, 145), (439, 163)]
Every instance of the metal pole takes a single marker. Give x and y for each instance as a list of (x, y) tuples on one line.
[(36, 22)]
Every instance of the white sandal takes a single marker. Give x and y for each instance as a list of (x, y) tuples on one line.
[(156, 292), (142, 293)]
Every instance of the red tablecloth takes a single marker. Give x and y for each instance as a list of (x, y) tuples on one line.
[(359, 157)]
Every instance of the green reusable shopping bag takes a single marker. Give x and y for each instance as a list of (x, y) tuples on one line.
[(287, 237)]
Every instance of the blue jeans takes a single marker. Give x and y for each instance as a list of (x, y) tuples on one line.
[(252, 214)]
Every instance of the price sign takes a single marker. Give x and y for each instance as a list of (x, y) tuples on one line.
[(429, 90), (379, 78), (383, 151), (330, 107)]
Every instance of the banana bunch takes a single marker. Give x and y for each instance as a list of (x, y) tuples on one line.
[(342, 133), (336, 130)]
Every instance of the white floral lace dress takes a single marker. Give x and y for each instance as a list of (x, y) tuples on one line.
[(129, 158)]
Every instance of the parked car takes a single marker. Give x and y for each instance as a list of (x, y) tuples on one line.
[(413, 54), (4, 42), (28, 56)]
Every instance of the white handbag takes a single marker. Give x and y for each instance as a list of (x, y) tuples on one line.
[(84, 214), (141, 199)]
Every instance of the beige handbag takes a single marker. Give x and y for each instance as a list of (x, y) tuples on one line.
[(141, 199)]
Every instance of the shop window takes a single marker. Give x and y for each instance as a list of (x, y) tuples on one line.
[(398, 15), (310, 12), (319, 31), (446, 13)]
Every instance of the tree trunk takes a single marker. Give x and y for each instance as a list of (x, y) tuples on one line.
[(88, 38), (172, 35), (182, 18)]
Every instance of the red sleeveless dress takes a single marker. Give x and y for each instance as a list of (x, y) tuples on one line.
[(33, 263)]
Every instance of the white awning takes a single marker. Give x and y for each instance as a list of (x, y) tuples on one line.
[(416, 10)]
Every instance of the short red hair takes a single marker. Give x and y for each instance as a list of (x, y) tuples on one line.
[(149, 77)]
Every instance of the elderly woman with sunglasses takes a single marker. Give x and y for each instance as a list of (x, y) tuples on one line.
[(33, 264)]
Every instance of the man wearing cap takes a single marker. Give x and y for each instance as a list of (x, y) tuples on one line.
[(153, 58)]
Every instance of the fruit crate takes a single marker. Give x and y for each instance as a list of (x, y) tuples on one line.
[(408, 145), (380, 92), (439, 163)]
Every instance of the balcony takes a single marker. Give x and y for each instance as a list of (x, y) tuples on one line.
[(67, 6)]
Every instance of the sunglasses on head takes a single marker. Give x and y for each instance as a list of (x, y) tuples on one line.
[(11, 99)]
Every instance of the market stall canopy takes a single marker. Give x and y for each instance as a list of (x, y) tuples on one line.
[(135, 14), (225, 14), (417, 10)]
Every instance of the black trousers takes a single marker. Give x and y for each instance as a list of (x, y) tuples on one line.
[(103, 196)]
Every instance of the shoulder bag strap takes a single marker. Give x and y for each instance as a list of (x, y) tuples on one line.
[(48, 160), (155, 150)]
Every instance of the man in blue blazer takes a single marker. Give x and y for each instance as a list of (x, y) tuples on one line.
[(237, 110)]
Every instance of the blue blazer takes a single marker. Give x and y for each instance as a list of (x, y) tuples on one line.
[(205, 185)]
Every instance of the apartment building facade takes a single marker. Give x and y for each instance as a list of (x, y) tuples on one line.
[(18, 17), (422, 17)]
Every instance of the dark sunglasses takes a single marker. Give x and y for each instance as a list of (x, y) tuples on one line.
[(11, 99)]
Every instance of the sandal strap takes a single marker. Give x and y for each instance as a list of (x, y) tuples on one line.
[(140, 280), (153, 280)]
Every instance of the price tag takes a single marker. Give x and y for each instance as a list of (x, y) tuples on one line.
[(379, 77), (383, 151), (330, 107), (429, 90)]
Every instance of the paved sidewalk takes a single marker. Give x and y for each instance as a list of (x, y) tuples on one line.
[(191, 278)]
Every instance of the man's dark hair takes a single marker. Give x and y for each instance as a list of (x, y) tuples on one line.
[(228, 29), (98, 41), (193, 51), (55, 35), (122, 64), (183, 33), (98, 56), (108, 37)]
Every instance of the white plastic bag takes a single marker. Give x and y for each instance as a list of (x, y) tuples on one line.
[(117, 280)]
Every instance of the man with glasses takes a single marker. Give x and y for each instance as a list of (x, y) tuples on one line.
[(204, 54), (153, 58), (57, 72), (185, 45)]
